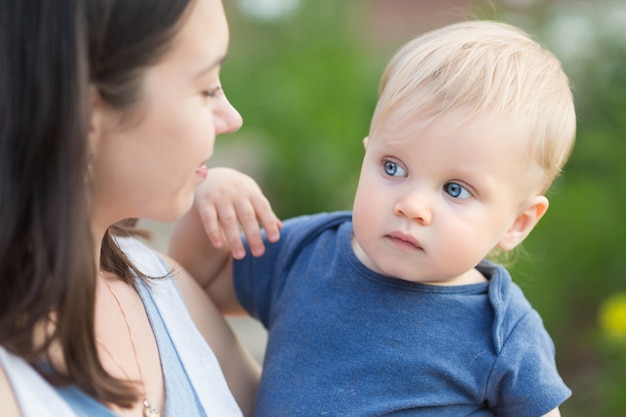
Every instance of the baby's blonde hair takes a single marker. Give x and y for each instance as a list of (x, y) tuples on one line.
[(479, 68)]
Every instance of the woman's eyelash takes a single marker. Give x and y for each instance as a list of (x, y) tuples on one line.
[(213, 92)]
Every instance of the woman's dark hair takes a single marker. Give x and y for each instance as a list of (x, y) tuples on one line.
[(51, 53)]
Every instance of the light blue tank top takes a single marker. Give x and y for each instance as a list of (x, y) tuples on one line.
[(194, 383), (180, 397)]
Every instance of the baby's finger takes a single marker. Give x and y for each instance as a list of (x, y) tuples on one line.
[(208, 216), (250, 225), (269, 221), (230, 226)]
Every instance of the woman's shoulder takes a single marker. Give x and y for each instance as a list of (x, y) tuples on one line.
[(7, 397)]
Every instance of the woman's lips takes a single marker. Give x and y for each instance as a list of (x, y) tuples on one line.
[(202, 171)]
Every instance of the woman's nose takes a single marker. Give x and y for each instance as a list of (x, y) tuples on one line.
[(227, 118)]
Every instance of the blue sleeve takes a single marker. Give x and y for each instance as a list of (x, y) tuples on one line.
[(525, 380), (259, 281)]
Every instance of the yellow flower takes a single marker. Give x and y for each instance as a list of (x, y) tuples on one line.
[(612, 316)]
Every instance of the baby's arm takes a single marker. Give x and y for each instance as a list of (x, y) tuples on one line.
[(207, 238), (553, 413)]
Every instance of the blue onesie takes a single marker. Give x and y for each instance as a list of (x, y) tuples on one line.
[(346, 341)]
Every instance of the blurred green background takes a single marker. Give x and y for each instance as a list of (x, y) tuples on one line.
[(304, 75)]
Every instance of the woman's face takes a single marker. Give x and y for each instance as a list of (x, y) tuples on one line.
[(149, 167)]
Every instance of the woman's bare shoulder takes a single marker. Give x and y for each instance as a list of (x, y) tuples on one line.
[(7, 398)]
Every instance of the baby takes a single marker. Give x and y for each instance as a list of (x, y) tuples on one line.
[(392, 309)]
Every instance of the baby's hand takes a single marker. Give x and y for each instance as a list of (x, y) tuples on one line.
[(228, 202)]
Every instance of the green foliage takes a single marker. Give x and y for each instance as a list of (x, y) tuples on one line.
[(579, 243), (306, 87)]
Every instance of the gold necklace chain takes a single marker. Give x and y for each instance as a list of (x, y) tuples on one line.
[(148, 409)]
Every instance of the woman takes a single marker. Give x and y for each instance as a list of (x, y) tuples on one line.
[(109, 111)]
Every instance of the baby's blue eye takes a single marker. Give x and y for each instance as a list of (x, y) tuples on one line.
[(393, 169), (456, 190)]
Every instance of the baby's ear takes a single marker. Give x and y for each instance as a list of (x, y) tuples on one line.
[(524, 223)]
